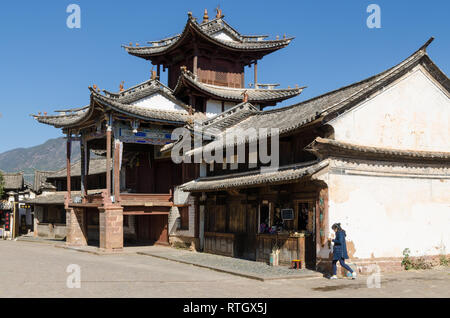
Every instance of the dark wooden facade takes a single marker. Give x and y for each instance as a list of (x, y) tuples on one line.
[(232, 222)]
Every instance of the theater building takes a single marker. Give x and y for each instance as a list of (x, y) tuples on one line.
[(205, 65)]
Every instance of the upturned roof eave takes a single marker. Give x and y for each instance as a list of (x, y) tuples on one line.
[(191, 25), (185, 81), (121, 108)]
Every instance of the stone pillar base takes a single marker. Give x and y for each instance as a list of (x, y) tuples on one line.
[(75, 222), (111, 227)]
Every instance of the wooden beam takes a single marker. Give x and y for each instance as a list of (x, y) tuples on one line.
[(68, 153), (116, 170), (83, 167), (108, 156), (145, 213), (255, 66)]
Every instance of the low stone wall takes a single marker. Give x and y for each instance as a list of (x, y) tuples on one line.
[(185, 242), (51, 230), (371, 265)]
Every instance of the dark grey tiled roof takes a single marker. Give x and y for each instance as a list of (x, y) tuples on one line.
[(56, 198), (73, 117), (230, 117), (206, 31), (255, 95), (96, 166), (324, 148), (144, 90), (253, 179), (327, 106), (40, 180), (13, 181), (121, 103), (142, 112)]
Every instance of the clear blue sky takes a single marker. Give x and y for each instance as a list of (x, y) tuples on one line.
[(46, 66)]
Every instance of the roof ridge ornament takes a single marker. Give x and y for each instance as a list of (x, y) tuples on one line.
[(153, 76), (219, 14), (427, 43), (245, 97), (205, 16)]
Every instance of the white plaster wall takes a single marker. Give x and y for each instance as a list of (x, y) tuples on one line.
[(229, 105), (181, 197), (213, 108), (413, 113), (159, 102), (224, 36), (383, 215)]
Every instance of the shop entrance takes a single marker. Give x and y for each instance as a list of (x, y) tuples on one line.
[(306, 212)]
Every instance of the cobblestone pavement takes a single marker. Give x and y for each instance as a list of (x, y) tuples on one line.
[(39, 270), (257, 270)]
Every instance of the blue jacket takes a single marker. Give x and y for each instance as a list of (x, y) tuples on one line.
[(340, 248)]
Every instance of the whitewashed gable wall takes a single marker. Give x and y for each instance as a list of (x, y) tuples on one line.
[(412, 113), (159, 102)]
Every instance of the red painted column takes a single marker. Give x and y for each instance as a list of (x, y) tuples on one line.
[(108, 161), (68, 153)]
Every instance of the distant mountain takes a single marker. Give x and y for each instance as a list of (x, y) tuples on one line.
[(51, 155)]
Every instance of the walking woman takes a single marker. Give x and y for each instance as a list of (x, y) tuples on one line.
[(340, 251)]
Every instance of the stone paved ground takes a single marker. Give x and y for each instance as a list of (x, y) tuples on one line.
[(39, 270), (251, 269)]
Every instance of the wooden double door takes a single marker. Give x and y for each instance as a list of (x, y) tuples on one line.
[(152, 229)]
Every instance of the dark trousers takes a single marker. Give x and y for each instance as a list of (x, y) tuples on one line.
[(342, 262)]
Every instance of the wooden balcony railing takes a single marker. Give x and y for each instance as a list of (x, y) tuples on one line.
[(146, 199), (128, 200)]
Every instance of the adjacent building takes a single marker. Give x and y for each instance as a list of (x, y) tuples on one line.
[(373, 156), (15, 215)]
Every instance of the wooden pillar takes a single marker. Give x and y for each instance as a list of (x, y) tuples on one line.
[(108, 156), (255, 68), (68, 153), (116, 170), (195, 62), (83, 167), (159, 71)]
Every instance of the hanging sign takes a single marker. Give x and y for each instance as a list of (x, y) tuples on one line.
[(145, 136), (7, 220)]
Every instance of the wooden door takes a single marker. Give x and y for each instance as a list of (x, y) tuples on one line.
[(250, 232), (159, 229), (307, 220), (163, 176), (152, 229), (143, 228)]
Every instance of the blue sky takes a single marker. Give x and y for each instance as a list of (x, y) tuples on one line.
[(46, 66)]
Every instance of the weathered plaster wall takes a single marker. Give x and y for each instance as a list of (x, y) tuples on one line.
[(181, 197), (412, 113), (214, 107), (388, 210), (224, 36)]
